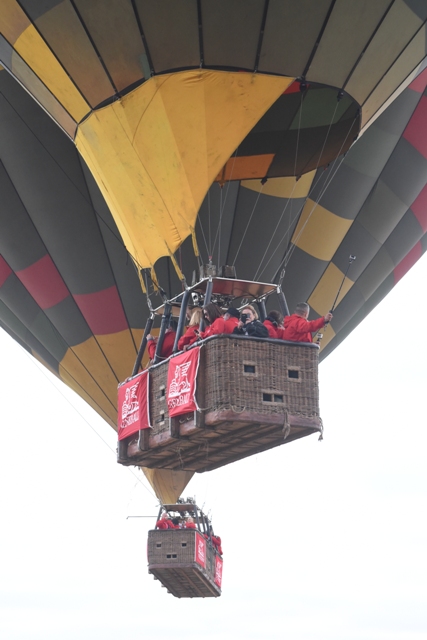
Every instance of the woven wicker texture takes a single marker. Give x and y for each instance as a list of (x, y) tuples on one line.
[(228, 385), (171, 558), (158, 406), (254, 395)]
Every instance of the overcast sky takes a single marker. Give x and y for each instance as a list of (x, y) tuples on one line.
[(322, 540)]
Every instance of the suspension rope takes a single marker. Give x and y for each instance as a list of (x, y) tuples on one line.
[(36, 364), (328, 181), (285, 260), (209, 218), (274, 232), (204, 237), (219, 227), (303, 89), (222, 205), (320, 196), (248, 223), (299, 127)]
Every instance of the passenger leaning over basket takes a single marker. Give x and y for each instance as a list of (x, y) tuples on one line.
[(249, 325), (190, 335), (273, 322), (298, 328), (214, 320)]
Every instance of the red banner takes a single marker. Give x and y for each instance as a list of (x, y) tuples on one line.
[(132, 406), (200, 550), (218, 571), (181, 388)]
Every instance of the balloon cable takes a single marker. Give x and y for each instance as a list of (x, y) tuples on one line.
[(248, 223), (288, 253), (351, 259), (219, 228), (288, 200), (81, 415), (303, 89), (204, 237), (323, 189), (34, 362), (222, 204), (209, 217)]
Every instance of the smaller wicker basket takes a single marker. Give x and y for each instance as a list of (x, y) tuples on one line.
[(172, 559)]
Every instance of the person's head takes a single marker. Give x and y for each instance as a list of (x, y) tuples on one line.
[(302, 309), (164, 515), (249, 313), (196, 316), (173, 325), (211, 312), (190, 519), (275, 316), (231, 312)]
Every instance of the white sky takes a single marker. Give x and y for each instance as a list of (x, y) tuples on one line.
[(322, 541)]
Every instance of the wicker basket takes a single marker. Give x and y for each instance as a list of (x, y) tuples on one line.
[(172, 560), (266, 377), (254, 394)]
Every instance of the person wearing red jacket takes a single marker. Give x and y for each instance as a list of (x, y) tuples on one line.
[(216, 323), (165, 522), (167, 346), (298, 328), (231, 319), (191, 335), (273, 322), (216, 541)]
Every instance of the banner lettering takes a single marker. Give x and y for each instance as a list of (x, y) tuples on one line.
[(181, 387), (200, 550), (218, 571), (133, 412)]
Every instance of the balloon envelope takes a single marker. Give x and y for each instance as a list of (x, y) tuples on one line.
[(158, 96), (163, 103)]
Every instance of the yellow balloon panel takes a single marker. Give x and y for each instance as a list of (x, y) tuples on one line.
[(155, 152), (167, 484), (43, 63), (86, 370), (323, 296), (289, 187), (319, 232)]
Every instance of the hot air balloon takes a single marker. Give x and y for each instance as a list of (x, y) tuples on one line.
[(183, 552), (227, 108)]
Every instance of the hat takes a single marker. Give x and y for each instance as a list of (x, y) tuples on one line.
[(232, 311)]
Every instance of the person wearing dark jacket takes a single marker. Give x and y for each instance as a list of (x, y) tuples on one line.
[(249, 325)]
